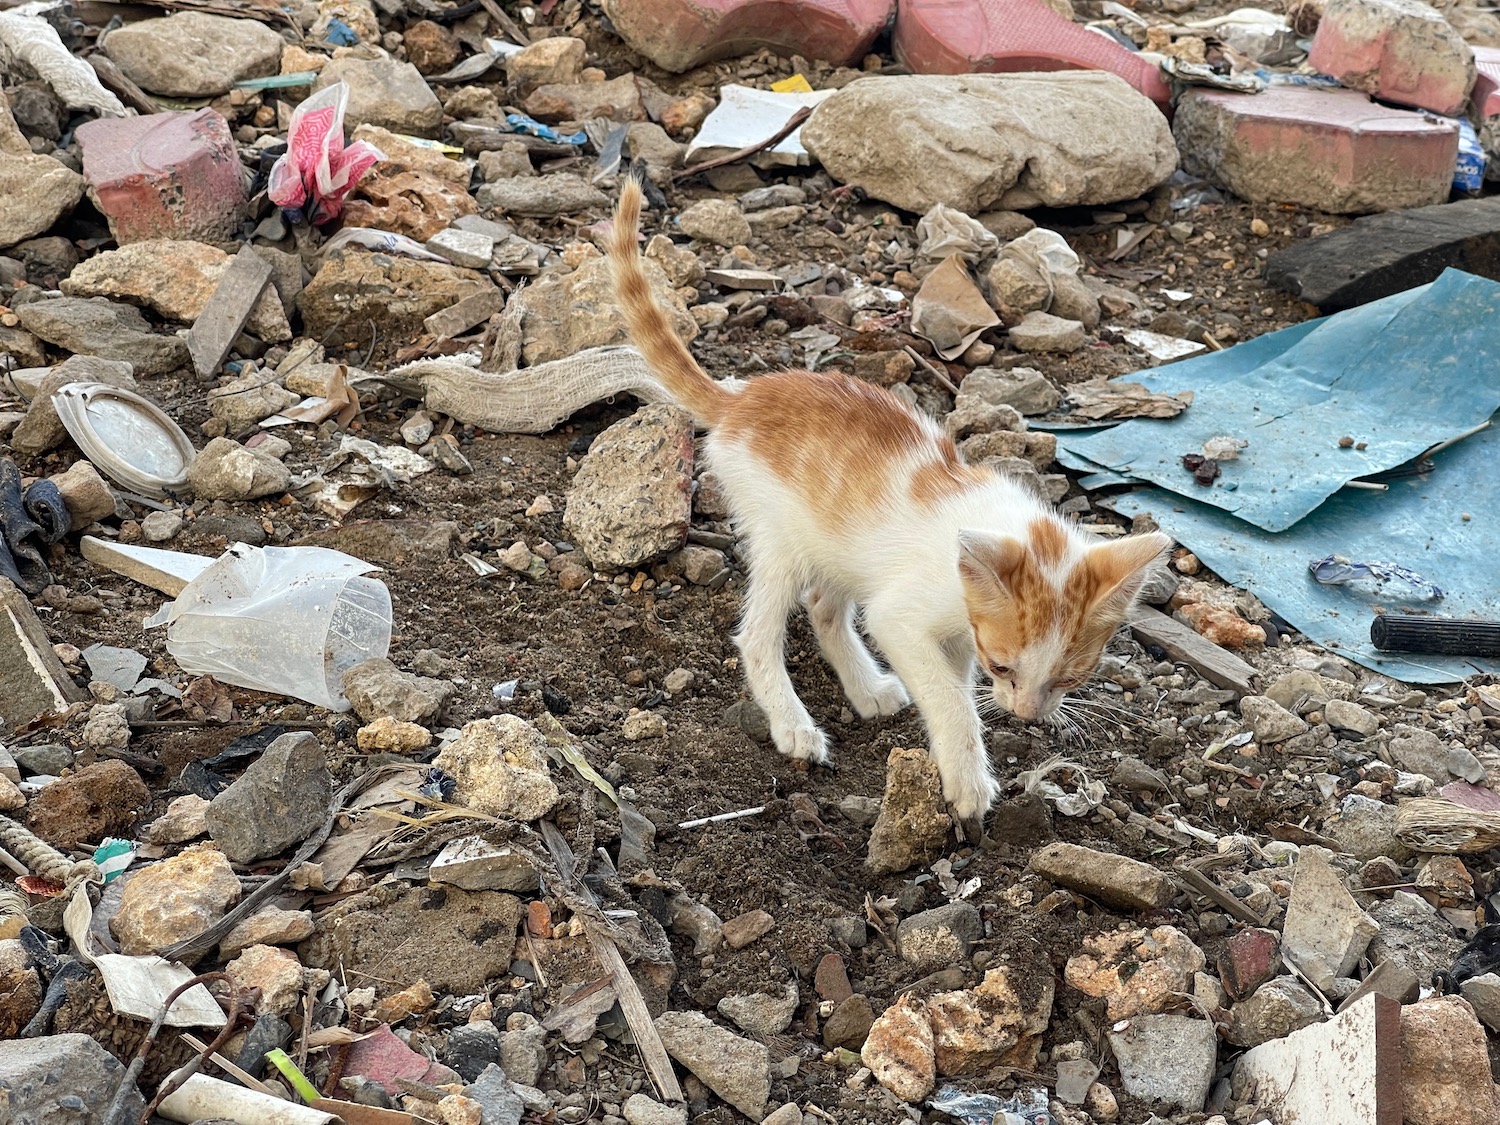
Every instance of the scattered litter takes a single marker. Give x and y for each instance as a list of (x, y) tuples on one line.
[(1086, 796), (127, 437), (520, 123), (311, 179), (383, 241), (289, 620), (746, 116), (1163, 349), (1336, 570), (986, 1109), (121, 667)]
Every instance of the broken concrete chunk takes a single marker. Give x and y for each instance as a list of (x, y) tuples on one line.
[(1136, 971), (913, 821), (736, 1069), (173, 900), (1277, 1008), (1400, 51), (1112, 879), (475, 864), (378, 689), (939, 936), (1169, 1059), (278, 802), (900, 1050), (500, 765), (1326, 932)]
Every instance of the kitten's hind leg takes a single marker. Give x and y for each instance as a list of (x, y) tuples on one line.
[(871, 690), (762, 644)]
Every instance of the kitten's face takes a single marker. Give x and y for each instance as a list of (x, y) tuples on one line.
[(1041, 612)]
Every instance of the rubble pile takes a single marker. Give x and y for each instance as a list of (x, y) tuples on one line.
[(372, 732)]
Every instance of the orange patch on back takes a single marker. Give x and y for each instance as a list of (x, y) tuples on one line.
[(831, 437)]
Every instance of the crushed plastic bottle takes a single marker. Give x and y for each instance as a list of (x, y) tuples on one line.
[(1336, 570), (987, 1109)]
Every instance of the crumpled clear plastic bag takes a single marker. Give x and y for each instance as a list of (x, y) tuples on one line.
[(946, 230), (317, 171), (286, 620)]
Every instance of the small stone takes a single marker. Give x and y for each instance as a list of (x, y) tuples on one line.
[(279, 801), (87, 497), (175, 899), (1325, 932), (1342, 715), (1270, 721), (1024, 388), (849, 1024), (702, 566), (378, 689), (463, 248), (471, 1048), (831, 979), (1421, 751), (913, 823), (761, 1014), (47, 758), (270, 926), (789, 1114), (107, 727), (541, 197), (736, 1069), (226, 470), (557, 60), (523, 1049), (1250, 958), (1277, 1008), (631, 500), (1167, 1058), (1112, 879), (500, 1102), (1101, 1104), (1224, 627), (691, 919), (275, 972), (500, 765), (940, 936), (677, 681), (749, 927), (393, 736), (641, 1110), (1163, 960), (1483, 995), (247, 401), (619, 99), (57, 1079), (715, 220), (185, 819), (475, 864), (900, 1050), (1043, 332), (161, 527), (643, 725), (1365, 828), (101, 800)]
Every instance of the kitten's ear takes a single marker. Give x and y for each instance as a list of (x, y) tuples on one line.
[(1120, 568), (984, 557)]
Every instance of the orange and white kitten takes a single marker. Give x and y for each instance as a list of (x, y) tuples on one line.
[(846, 501)]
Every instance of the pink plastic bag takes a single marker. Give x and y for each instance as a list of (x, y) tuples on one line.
[(317, 170)]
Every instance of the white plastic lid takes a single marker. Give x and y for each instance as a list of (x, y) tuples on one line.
[(127, 437)]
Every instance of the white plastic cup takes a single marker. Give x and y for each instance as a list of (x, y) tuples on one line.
[(286, 620)]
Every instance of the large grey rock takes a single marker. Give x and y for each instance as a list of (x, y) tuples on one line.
[(1366, 828), (104, 328), (1326, 932), (1276, 1009), (1024, 389), (1413, 935), (561, 193), (60, 1080), (1420, 751), (631, 498), (1044, 332), (1114, 880), (279, 801), (1167, 1059), (980, 142), (37, 191), (194, 54), (939, 936), (1343, 715), (385, 92), (736, 1069)]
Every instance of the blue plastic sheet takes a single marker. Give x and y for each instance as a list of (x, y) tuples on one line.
[(1420, 523), (1399, 375)]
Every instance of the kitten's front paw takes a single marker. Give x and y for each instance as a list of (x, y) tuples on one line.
[(805, 743), (969, 798), (885, 696)]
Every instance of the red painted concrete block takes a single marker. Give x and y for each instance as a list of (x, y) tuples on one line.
[(1004, 36), (678, 35), (1332, 150), (1484, 100), (164, 175), (1400, 51)]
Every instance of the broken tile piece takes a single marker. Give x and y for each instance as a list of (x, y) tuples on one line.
[(1326, 932)]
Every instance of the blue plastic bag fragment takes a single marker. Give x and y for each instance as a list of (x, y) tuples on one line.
[(1468, 172), (1398, 376), (1336, 570), (520, 123), (1443, 523), (340, 34)]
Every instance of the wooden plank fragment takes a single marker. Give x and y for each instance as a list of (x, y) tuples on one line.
[(223, 318), (1219, 666)]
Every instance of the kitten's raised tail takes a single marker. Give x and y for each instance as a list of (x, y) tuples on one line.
[(650, 331)]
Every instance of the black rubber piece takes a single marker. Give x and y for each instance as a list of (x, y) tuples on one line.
[(29, 520), (1396, 632)]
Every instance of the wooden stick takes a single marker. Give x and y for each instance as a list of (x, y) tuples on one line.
[(632, 1003), (943, 381)]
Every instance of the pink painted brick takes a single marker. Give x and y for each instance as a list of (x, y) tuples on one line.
[(1400, 51), (1330, 150), (165, 175), (1484, 99), (678, 35), (989, 36)]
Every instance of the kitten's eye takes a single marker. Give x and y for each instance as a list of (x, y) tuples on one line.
[(999, 670), (1066, 685)]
